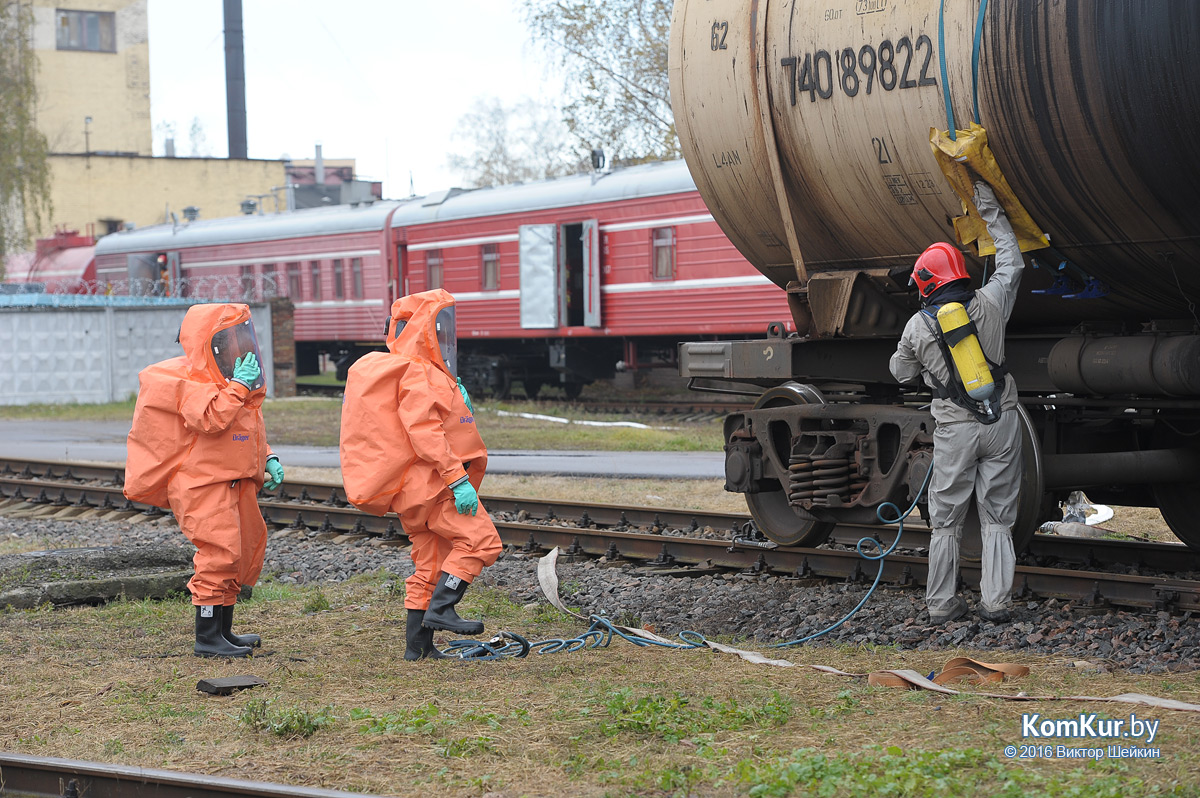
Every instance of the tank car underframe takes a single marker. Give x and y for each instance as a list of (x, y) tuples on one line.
[(832, 436)]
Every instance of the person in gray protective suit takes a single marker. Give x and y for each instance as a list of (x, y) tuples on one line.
[(973, 451)]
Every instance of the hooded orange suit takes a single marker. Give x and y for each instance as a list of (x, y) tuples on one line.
[(406, 437), (198, 445)]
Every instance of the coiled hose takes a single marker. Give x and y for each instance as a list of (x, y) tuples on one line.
[(602, 631)]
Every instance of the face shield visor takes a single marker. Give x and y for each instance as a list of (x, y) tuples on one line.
[(233, 342), (447, 338)]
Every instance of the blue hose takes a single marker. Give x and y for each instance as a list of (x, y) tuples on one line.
[(880, 556), (602, 631)]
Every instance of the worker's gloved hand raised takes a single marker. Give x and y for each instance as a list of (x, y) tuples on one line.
[(984, 193), (275, 470), (245, 369), (466, 500), (463, 390)]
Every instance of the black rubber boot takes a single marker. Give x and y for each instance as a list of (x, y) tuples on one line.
[(227, 630), (441, 615), (209, 640), (419, 639)]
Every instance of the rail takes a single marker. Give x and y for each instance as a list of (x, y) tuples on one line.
[(35, 777), (654, 537)]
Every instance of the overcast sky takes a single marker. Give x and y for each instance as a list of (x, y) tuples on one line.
[(382, 81)]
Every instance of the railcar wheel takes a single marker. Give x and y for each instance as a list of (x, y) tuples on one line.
[(1033, 499), (778, 520), (503, 388), (1177, 500)]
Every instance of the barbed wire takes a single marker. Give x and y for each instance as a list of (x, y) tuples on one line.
[(124, 291)]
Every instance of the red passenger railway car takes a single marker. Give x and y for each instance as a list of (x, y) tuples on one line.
[(558, 282)]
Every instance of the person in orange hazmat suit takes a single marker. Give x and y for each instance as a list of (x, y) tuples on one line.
[(409, 444), (199, 446)]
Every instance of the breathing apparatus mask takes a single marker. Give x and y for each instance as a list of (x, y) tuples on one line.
[(447, 338), (234, 342)]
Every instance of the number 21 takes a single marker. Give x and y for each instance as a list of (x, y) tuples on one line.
[(881, 150)]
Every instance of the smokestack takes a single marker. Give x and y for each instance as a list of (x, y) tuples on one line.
[(235, 79), (319, 169)]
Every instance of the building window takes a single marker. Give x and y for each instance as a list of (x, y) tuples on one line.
[(491, 267), (339, 285), (293, 281), (433, 269), (86, 30), (356, 277), (663, 239), (314, 271)]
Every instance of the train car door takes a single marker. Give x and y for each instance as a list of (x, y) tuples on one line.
[(153, 273), (591, 273), (539, 276), (398, 285), (579, 274)]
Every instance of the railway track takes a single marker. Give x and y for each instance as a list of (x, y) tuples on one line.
[(1151, 577), (46, 777)]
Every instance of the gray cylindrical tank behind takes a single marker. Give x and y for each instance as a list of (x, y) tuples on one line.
[(807, 125)]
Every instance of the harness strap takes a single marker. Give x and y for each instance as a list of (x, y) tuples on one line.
[(955, 392)]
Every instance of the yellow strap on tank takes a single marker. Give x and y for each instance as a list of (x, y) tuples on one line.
[(970, 148)]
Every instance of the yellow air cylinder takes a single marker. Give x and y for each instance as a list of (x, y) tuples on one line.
[(967, 354)]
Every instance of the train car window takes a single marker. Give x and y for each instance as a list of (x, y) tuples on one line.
[(339, 285), (434, 278), (94, 31), (663, 242), (356, 277), (314, 271), (490, 254), (293, 281)]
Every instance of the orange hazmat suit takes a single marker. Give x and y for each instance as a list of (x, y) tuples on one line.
[(198, 445), (406, 437)]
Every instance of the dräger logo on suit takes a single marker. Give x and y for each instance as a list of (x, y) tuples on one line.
[(240, 438)]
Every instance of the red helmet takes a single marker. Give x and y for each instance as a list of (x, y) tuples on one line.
[(938, 265)]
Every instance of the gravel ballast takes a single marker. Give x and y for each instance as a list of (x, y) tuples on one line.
[(758, 609)]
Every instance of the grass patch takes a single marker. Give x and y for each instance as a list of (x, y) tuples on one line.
[(316, 602), (514, 432), (342, 710), (894, 771), (283, 721), (108, 411), (303, 421), (324, 378), (678, 716)]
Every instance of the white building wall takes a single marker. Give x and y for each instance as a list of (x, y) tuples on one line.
[(53, 355)]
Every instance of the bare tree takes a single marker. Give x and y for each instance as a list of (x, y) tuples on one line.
[(614, 58), (198, 138), (503, 144), (24, 171)]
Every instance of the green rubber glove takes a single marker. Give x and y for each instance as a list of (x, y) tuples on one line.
[(274, 469), (463, 390), (245, 369), (466, 500)]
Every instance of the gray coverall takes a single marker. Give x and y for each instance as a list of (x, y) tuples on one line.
[(968, 455)]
